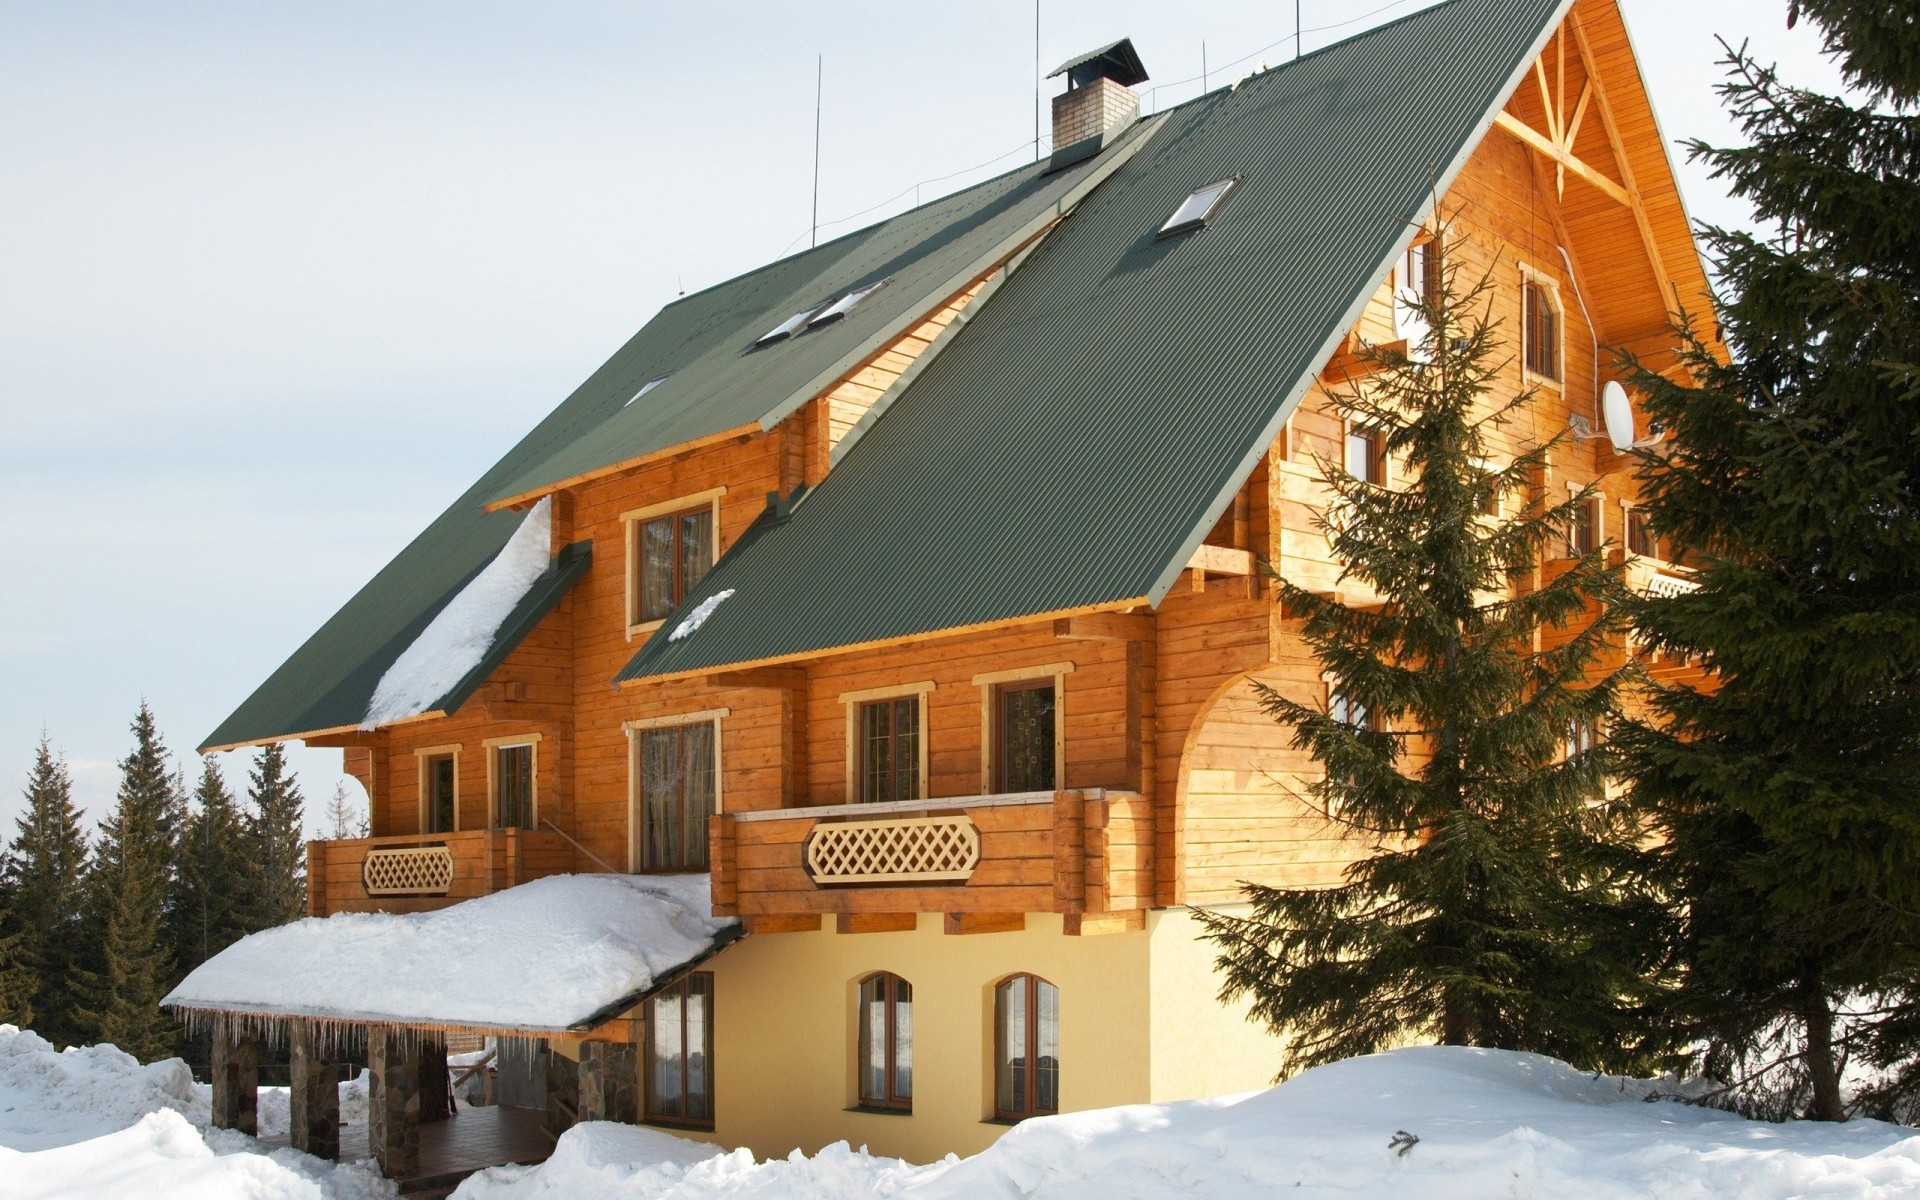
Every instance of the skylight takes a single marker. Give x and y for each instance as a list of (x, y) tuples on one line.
[(845, 304), (1198, 208), (646, 387), (786, 328)]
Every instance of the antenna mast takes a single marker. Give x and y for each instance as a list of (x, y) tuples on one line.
[(1036, 80), (819, 77)]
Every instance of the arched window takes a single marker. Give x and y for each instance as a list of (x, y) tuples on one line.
[(886, 1042), (1026, 1037)]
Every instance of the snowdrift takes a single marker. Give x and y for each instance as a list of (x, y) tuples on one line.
[(544, 956)]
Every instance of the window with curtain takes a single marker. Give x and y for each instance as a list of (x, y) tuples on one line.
[(513, 787), (1640, 539), (1024, 736), (1348, 711), (1419, 272), (669, 554), (678, 1073), (1542, 330), (1026, 1060), (439, 780), (676, 769), (1583, 536), (886, 1042), (889, 747)]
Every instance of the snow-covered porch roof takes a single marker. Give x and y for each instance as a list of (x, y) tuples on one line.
[(556, 956)]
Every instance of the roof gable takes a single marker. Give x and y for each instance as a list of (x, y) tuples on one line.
[(1080, 435)]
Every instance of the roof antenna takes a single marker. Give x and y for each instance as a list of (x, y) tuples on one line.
[(1036, 82), (1203, 66), (682, 281), (1296, 28), (819, 78)]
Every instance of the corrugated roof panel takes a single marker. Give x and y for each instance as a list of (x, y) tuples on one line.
[(1074, 442)]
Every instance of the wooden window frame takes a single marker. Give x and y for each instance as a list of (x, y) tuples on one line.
[(851, 702), (1547, 285), (1596, 507), (631, 523), (1379, 442), (423, 756), (1030, 1090), (648, 1114), (636, 796), (492, 747), (890, 1003), (992, 685), (1627, 510)]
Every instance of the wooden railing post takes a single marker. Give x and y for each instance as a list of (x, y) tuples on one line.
[(316, 879), (513, 857), (721, 859), (1070, 878)]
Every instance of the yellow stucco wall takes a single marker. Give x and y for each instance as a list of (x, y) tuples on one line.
[(1138, 1022)]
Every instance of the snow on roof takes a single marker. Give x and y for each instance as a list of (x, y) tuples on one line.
[(460, 635), (548, 956)]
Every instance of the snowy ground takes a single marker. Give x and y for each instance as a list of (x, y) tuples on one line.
[(1437, 1124)]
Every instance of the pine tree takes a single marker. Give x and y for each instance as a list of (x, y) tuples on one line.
[(212, 913), (42, 876), (1487, 911), (19, 980), (128, 885), (344, 818), (276, 835), (1786, 796)]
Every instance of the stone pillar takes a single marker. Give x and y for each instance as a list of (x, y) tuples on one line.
[(563, 1092), (236, 1080), (313, 1097), (393, 1103), (609, 1082), (436, 1089)]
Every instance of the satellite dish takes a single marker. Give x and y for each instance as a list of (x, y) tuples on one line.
[(1617, 410)]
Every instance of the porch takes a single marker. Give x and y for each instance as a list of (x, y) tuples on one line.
[(421, 872), (450, 1150), (982, 860)]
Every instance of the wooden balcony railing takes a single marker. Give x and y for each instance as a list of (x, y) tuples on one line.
[(417, 872), (1657, 579), (1079, 852)]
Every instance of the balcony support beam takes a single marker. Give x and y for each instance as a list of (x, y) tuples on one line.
[(985, 922), (878, 922)]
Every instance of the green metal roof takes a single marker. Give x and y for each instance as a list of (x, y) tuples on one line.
[(700, 343), (1078, 437)]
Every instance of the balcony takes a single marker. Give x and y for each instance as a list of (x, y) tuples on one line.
[(418, 872), (1082, 853), (1657, 579)]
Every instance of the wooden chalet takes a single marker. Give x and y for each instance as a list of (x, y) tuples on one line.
[(909, 589)]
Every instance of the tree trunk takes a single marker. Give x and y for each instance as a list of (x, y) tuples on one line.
[(1822, 1069), (1454, 1029)]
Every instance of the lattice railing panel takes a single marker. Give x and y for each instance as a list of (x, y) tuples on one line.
[(408, 871), (1662, 586), (908, 850)]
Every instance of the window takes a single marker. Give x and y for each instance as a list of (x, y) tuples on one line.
[(1583, 536), (1199, 206), (439, 783), (677, 771), (1583, 734), (844, 305), (1640, 539), (1420, 272), (513, 787), (1364, 461), (1540, 313), (1026, 1039), (679, 1052), (1023, 735), (1347, 710), (670, 553), (889, 735), (786, 328), (886, 1042)]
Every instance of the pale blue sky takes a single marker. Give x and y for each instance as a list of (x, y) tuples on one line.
[(278, 281)]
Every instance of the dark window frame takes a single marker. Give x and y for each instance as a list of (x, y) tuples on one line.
[(1638, 536), (1583, 533), (691, 855), (1000, 773), (1428, 276), (529, 815), (684, 579), (1540, 330), (867, 781), (682, 989), (1376, 464), (430, 783), (1030, 1081), (893, 993)]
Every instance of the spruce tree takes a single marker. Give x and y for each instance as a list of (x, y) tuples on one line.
[(1785, 794), (212, 913), (1485, 909), (276, 835), (42, 877), (344, 819), (19, 980), (128, 884)]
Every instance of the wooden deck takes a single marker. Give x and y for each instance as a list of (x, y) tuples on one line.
[(455, 1148)]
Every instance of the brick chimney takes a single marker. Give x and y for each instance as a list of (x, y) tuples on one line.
[(1099, 103)]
